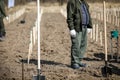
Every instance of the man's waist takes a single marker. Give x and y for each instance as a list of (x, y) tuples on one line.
[(84, 24)]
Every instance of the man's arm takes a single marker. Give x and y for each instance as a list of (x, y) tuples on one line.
[(70, 13), (2, 8), (90, 23)]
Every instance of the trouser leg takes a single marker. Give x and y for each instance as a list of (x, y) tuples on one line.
[(83, 45), (75, 48), (2, 28), (78, 48)]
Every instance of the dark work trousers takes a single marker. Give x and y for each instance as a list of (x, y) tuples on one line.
[(2, 28), (79, 44)]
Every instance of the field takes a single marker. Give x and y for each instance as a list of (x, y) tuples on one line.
[(55, 49)]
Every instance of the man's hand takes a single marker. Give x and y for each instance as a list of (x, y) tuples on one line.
[(7, 18), (89, 30), (73, 33)]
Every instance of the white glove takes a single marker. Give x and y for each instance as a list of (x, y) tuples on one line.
[(73, 33), (7, 18), (89, 30)]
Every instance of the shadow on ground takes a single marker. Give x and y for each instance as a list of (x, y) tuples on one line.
[(115, 69), (111, 62), (34, 61), (101, 56)]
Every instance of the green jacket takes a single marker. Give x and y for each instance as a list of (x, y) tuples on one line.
[(2, 9), (74, 19)]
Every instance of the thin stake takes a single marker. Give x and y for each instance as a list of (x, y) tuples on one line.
[(96, 32), (91, 36), (30, 47), (101, 38), (38, 24), (33, 35), (109, 18), (93, 31), (118, 22), (105, 31)]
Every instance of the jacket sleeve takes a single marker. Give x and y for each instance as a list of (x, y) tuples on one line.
[(90, 20), (2, 8), (70, 13), (90, 23)]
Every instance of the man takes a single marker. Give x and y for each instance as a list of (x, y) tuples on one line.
[(79, 23), (2, 15)]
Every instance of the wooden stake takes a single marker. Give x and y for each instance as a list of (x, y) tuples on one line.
[(113, 20), (96, 32), (101, 42), (93, 31), (109, 18), (105, 30), (30, 47), (91, 35), (34, 36), (116, 20), (38, 25)]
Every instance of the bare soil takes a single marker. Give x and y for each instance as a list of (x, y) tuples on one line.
[(55, 51)]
